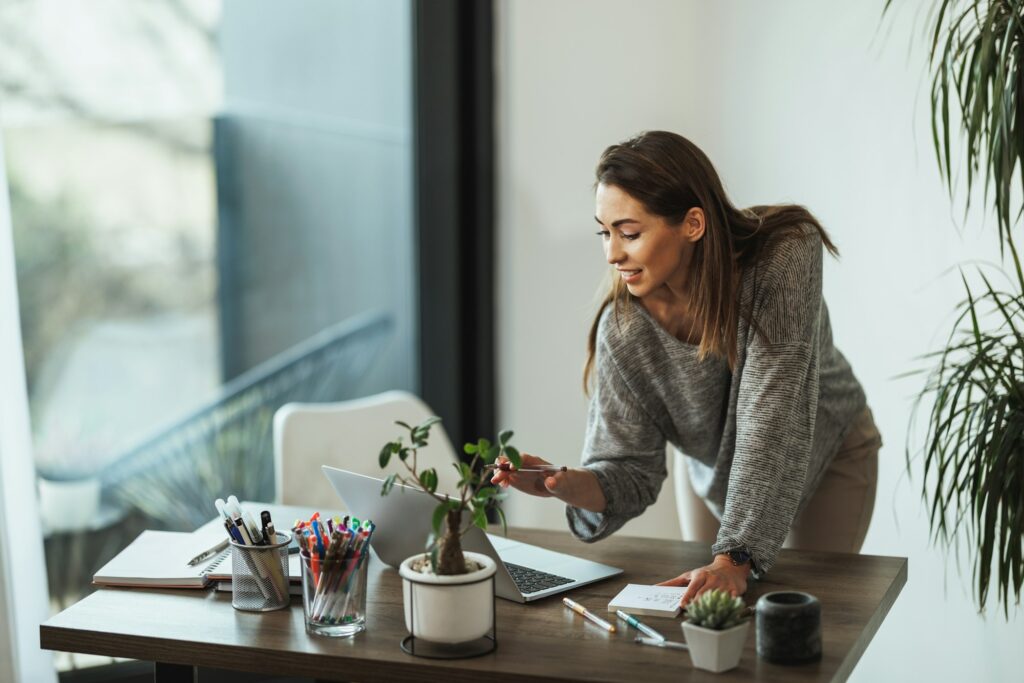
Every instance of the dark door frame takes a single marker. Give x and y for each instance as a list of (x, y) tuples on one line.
[(454, 161)]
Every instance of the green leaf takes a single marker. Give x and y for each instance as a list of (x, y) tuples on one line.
[(480, 517), (389, 483), (465, 473), (403, 424), (439, 512), (428, 423), (492, 454), (470, 448), (385, 456), (486, 492), (482, 445), (403, 453), (513, 456), (505, 437), (428, 479), (501, 518)]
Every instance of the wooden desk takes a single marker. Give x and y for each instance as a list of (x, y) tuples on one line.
[(537, 642)]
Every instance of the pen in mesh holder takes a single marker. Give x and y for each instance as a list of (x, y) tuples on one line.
[(259, 575)]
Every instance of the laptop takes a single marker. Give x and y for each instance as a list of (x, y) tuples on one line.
[(403, 519)]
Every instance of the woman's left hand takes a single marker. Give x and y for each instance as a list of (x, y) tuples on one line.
[(721, 574)]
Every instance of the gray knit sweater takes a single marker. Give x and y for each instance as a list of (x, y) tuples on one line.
[(758, 439)]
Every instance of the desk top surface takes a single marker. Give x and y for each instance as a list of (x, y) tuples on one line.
[(540, 641)]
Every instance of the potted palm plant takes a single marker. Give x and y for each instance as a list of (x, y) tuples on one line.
[(449, 593), (974, 395), (716, 630)]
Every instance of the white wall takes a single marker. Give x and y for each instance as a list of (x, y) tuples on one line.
[(813, 102), (23, 596)]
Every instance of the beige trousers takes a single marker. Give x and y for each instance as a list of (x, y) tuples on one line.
[(837, 516)]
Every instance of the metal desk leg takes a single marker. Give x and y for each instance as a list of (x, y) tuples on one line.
[(173, 673)]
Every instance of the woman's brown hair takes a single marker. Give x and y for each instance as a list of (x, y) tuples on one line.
[(670, 175)]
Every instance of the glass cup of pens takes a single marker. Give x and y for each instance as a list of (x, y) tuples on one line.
[(335, 554)]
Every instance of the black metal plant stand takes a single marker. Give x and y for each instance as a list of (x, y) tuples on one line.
[(483, 645)]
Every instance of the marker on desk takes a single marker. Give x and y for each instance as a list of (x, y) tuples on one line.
[(584, 612), (640, 640), (635, 623)]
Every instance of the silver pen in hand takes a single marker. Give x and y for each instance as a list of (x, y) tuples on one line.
[(507, 467)]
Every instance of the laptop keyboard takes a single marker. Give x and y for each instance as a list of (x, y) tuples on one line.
[(530, 580)]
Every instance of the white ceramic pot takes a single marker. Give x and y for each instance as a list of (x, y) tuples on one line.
[(713, 650), (449, 609)]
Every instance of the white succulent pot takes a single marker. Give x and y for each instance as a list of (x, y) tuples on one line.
[(716, 651), (449, 609)]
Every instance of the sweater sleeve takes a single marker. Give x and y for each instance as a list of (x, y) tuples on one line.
[(624, 449), (777, 404)]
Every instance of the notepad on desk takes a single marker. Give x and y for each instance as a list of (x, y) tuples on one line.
[(159, 559), (652, 601)]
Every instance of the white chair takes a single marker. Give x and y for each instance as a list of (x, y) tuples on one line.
[(350, 435)]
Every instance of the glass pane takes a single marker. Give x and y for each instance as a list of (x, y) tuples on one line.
[(212, 206)]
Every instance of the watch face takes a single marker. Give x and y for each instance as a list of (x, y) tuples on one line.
[(739, 557)]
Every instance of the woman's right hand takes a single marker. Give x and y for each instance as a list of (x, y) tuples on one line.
[(576, 486)]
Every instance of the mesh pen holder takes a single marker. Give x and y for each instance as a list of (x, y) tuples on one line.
[(259, 575)]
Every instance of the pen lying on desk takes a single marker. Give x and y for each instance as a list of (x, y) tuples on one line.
[(507, 467), (584, 612), (638, 625), (640, 640), (206, 554)]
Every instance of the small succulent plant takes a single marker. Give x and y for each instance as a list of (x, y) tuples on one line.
[(715, 609)]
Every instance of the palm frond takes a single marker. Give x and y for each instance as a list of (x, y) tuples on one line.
[(973, 482), (975, 59)]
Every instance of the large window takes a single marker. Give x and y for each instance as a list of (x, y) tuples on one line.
[(213, 210)]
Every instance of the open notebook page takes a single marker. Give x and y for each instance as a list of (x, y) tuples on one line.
[(160, 559)]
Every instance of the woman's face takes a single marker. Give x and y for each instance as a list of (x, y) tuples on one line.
[(648, 252)]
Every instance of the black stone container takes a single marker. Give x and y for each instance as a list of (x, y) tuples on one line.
[(789, 627)]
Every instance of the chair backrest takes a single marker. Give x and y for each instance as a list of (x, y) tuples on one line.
[(349, 435)]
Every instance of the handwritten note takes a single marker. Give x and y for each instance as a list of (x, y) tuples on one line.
[(656, 601)]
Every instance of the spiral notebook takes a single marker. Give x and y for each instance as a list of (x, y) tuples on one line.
[(159, 559)]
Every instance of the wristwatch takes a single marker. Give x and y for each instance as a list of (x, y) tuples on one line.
[(739, 557)]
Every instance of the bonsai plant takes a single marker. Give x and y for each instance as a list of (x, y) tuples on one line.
[(974, 450), (453, 600), (445, 545), (716, 630)]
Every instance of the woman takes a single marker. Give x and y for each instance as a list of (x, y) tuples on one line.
[(714, 337)]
